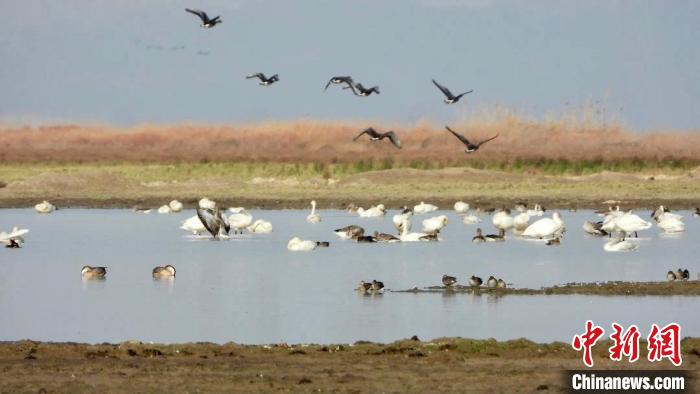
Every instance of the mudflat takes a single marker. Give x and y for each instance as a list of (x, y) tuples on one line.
[(441, 365)]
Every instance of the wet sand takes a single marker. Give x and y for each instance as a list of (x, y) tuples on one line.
[(441, 365)]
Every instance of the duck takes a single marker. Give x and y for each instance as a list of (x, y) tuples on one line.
[(239, 221), (215, 222), (377, 286), (492, 282), (412, 237), (448, 281), (475, 281), (620, 245), (364, 239), (449, 97), (382, 237), (350, 231), (594, 228), (372, 212), (461, 207), (164, 209), (14, 238), (670, 276), (435, 224), (364, 287), (398, 218), (479, 237), (470, 219), (682, 274), (207, 22), (44, 207), (556, 241), (424, 208), (175, 206), (264, 81), (193, 225), (260, 227), (167, 271), (501, 284), (296, 244), (89, 272), (501, 236), (545, 227), (313, 216), (502, 219)]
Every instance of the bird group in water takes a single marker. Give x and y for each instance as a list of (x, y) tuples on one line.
[(100, 273), (474, 282)]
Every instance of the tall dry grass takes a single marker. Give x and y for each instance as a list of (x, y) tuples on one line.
[(521, 140)]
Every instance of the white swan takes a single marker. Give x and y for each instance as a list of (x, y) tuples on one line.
[(44, 207), (372, 212), (260, 227), (16, 236), (537, 211), (206, 203), (626, 223), (520, 222), (411, 237), (193, 225), (502, 220), (164, 209), (670, 223), (239, 221), (546, 227), (313, 216), (620, 245), (470, 219), (296, 244), (461, 207), (435, 224), (424, 208), (175, 206), (398, 218)]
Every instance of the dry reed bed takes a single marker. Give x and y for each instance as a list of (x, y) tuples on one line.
[(331, 142)]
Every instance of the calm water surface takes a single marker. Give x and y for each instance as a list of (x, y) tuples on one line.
[(250, 289)]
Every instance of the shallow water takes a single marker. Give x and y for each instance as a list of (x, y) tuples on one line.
[(250, 289)]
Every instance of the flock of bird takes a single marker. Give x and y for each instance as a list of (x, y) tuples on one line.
[(620, 226), (358, 89)]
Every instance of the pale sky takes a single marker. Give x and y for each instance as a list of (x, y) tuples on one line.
[(133, 62)]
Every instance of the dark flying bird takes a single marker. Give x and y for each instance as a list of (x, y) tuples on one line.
[(340, 80), (451, 98), (363, 91), (206, 22), (375, 136), (264, 81), (469, 147), (214, 221)]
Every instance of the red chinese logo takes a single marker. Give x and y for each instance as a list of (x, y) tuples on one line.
[(624, 345), (586, 341), (665, 343)]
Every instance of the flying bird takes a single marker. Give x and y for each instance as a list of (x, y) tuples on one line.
[(264, 81), (363, 91), (214, 221), (375, 136), (470, 147), (206, 22), (450, 98), (342, 80)]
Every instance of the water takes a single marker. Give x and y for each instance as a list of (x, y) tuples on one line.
[(251, 289)]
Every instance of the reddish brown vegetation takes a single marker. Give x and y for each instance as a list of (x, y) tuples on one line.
[(332, 142)]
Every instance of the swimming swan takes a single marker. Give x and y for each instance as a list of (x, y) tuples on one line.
[(239, 221), (193, 225), (502, 219), (424, 208), (372, 212), (260, 227), (14, 238), (620, 245), (44, 207), (398, 218), (435, 224), (296, 244), (461, 207), (411, 237), (175, 206), (313, 216)]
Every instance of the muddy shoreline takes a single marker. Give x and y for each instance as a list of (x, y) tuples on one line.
[(440, 365)]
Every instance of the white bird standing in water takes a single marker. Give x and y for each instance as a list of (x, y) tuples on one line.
[(546, 227), (313, 216), (461, 207)]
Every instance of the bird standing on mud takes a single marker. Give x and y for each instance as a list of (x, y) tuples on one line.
[(449, 97), (374, 135), (206, 22), (264, 81), (469, 146), (448, 281)]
